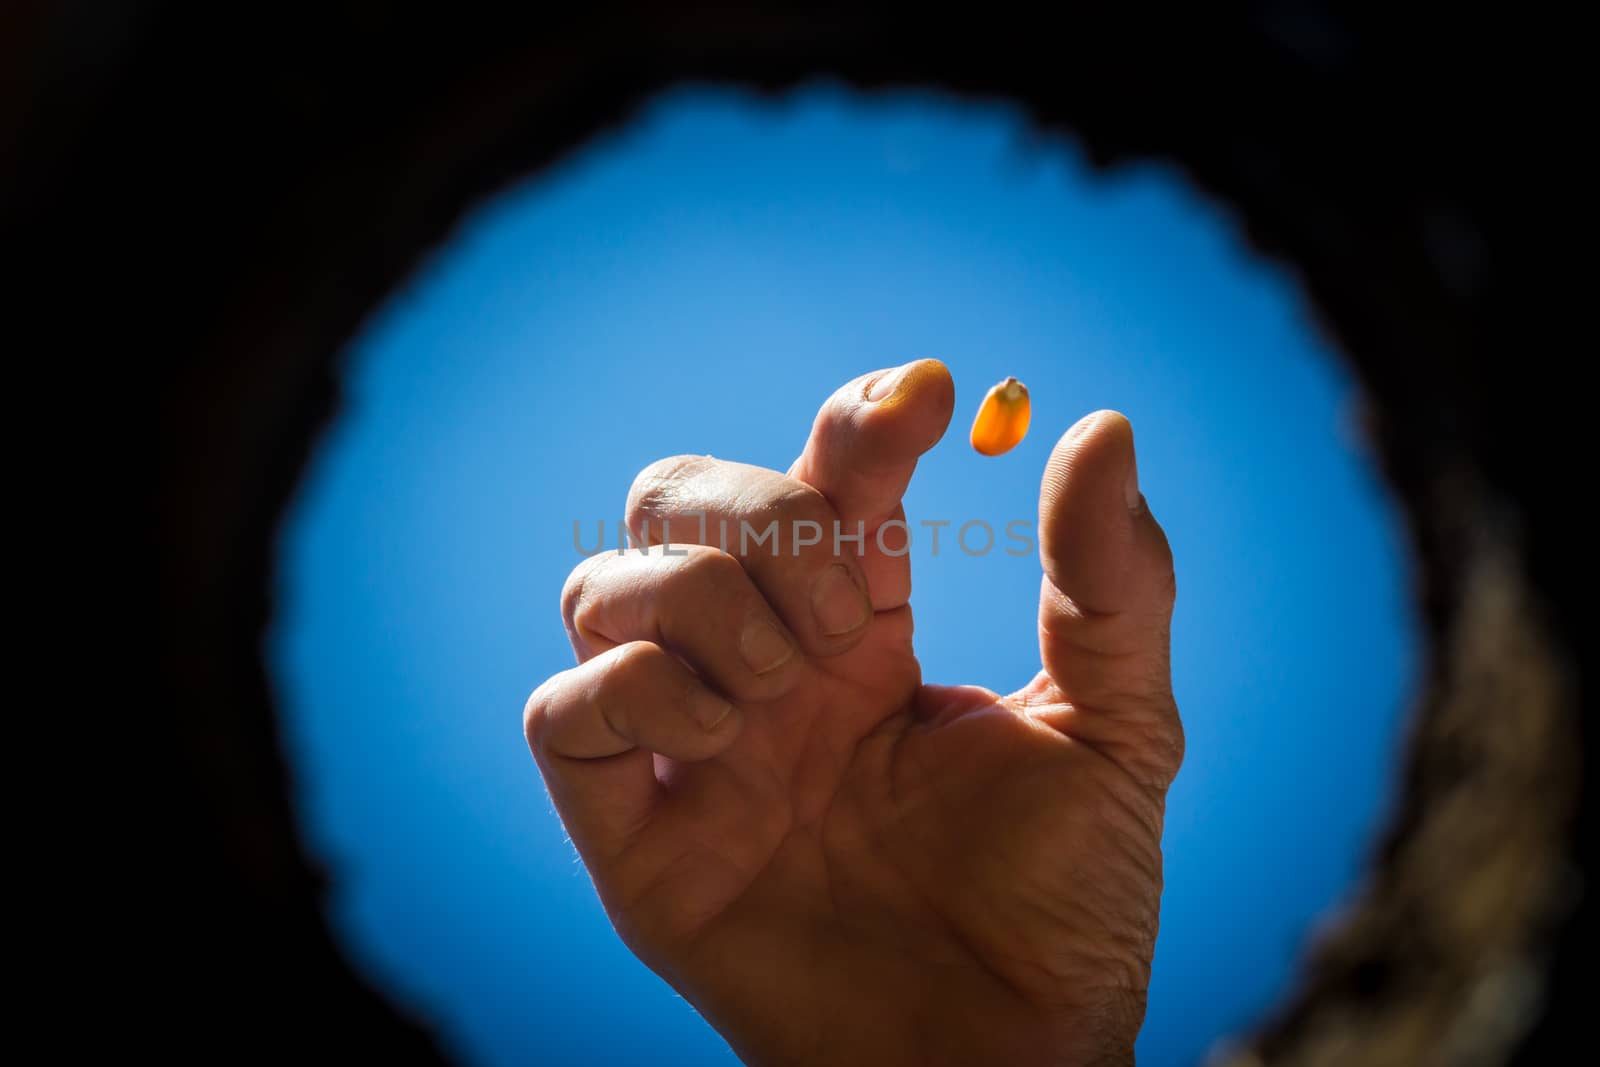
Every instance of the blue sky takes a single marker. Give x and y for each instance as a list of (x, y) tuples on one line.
[(700, 282)]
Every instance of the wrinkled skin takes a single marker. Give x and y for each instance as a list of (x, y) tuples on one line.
[(835, 863)]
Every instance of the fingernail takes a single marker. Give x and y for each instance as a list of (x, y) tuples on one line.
[(763, 647), (709, 709), (888, 383), (838, 603), (1130, 488)]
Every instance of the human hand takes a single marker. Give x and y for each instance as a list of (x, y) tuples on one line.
[(831, 861)]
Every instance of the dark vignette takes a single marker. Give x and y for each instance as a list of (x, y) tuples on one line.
[(200, 202)]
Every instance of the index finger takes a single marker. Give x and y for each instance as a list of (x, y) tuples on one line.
[(863, 449)]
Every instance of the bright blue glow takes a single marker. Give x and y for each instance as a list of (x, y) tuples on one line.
[(700, 283)]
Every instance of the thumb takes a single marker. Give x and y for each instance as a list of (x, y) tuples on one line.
[(1105, 605)]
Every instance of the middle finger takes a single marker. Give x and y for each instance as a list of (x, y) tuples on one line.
[(786, 534)]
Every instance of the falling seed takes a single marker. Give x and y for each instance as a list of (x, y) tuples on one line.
[(1002, 418)]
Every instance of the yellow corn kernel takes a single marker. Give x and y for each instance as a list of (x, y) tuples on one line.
[(1002, 419)]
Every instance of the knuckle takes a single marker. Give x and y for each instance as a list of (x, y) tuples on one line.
[(636, 676), (536, 717), (1165, 574), (840, 418), (798, 503), (572, 591), (628, 662), (1167, 585), (705, 569), (1161, 741), (1177, 742), (656, 490)]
